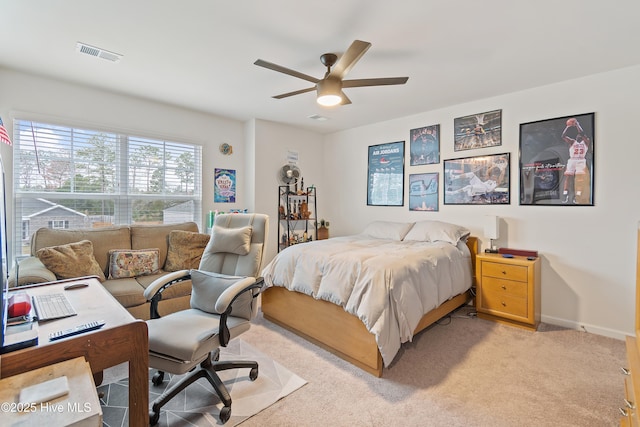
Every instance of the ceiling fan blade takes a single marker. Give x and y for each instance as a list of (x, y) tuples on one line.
[(345, 99), (285, 70), (375, 82), (349, 58), (297, 92)]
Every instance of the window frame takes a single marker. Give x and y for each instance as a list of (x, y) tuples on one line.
[(168, 176)]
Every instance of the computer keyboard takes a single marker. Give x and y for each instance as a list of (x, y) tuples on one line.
[(52, 306)]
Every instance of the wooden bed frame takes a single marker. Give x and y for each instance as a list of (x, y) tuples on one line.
[(343, 334)]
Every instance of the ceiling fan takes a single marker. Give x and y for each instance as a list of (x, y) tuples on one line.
[(329, 88)]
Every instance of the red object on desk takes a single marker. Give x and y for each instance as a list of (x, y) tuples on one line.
[(19, 304)]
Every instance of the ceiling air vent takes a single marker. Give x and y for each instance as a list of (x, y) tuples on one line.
[(318, 117), (97, 52)]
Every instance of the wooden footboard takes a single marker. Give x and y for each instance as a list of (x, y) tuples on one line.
[(343, 334)]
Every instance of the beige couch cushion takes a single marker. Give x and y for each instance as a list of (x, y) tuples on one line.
[(71, 260), (127, 292), (156, 236), (102, 239)]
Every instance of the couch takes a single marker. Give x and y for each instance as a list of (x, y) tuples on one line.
[(179, 246)]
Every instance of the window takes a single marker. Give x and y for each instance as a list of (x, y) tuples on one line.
[(59, 224), (67, 177)]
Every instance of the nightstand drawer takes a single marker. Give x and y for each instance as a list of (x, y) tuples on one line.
[(505, 287), (504, 304), (505, 271)]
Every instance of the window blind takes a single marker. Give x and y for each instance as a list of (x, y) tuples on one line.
[(68, 177)]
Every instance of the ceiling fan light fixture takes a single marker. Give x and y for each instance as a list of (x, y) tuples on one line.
[(329, 91)]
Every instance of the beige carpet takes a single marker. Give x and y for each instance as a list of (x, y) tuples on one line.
[(463, 372), (198, 405)]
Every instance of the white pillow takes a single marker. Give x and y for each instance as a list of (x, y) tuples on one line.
[(387, 229), (230, 240), (437, 231)]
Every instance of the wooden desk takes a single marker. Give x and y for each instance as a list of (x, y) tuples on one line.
[(122, 339)]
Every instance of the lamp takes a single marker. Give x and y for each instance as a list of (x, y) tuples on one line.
[(491, 230), (329, 91)]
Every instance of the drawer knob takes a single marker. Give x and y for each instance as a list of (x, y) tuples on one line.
[(504, 304), (504, 272), (629, 405), (504, 288), (625, 371)]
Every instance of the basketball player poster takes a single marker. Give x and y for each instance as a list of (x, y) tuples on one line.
[(478, 131), (556, 161)]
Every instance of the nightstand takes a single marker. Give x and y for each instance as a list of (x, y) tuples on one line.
[(508, 290)]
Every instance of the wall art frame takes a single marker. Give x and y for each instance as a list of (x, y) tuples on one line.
[(423, 191), (224, 185), (385, 174), (424, 145), (480, 130), (479, 180), (556, 161)]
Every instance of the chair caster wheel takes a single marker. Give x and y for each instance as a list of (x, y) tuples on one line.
[(253, 374), (154, 417), (225, 414), (157, 378)]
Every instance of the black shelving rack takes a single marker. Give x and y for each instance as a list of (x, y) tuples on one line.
[(297, 216)]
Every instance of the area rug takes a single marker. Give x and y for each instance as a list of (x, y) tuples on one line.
[(199, 405)]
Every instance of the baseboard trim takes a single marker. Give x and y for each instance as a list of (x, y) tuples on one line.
[(581, 326)]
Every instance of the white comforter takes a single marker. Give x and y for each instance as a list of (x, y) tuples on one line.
[(388, 284)]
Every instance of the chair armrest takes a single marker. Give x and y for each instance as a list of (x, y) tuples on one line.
[(153, 292), (228, 296), (30, 270)]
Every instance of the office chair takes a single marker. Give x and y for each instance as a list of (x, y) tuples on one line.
[(223, 301)]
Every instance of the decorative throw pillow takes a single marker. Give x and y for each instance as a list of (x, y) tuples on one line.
[(230, 240), (133, 262), (71, 260), (185, 250)]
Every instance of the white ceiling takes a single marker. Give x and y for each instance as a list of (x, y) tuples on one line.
[(199, 54)]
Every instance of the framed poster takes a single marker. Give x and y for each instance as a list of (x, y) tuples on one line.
[(385, 182), (556, 161), (423, 192), (478, 131), (425, 145), (481, 180), (225, 186)]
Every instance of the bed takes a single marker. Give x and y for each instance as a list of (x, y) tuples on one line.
[(362, 296)]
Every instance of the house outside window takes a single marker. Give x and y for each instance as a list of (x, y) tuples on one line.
[(70, 177)]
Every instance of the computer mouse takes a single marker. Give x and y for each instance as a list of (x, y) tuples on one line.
[(75, 286)]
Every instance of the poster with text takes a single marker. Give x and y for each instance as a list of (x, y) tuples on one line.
[(425, 145), (225, 186), (423, 192), (556, 161), (385, 182)]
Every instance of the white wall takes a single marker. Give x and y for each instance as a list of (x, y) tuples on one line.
[(588, 253), (30, 97), (272, 143)]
